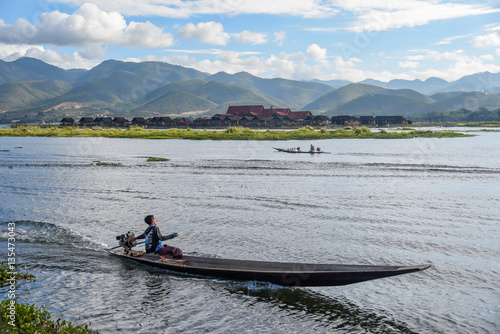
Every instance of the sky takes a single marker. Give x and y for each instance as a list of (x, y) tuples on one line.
[(293, 39)]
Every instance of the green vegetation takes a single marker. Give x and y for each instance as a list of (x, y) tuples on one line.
[(25, 94), (17, 318), (473, 118), (5, 274), (30, 319), (481, 124), (157, 159), (100, 163), (231, 133), (116, 88)]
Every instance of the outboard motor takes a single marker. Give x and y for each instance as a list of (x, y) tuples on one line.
[(124, 240)]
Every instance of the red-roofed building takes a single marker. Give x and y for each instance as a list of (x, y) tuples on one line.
[(300, 115), (270, 112), (245, 110)]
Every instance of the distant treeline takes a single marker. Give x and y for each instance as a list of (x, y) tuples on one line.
[(462, 115)]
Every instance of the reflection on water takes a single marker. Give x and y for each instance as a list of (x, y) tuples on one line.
[(396, 202)]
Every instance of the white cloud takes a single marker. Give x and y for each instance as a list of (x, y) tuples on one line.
[(10, 52), (450, 39), (489, 40), (87, 26), (450, 65), (381, 15), (316, 53), (207, 32), (146, 34), (251, 37), (279, 37), (185, 9), (487, 57), (493, 27), (408, 64), (62, 60), (93, 52)]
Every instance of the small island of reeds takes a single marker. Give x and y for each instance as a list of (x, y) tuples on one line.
[(231, 133)]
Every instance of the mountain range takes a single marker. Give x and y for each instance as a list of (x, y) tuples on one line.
[(31, 90)]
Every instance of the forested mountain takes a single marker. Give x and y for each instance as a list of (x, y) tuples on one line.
[(31, 90)]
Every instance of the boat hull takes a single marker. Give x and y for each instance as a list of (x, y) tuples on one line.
[(281, 273), (298, 152)]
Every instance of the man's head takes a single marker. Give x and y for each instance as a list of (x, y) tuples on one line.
[(150, 219)]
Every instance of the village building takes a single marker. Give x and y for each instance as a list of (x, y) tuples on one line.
[(253, 116), (120, 122), (138, 121), (86, 121), (160, 121), (367, 120), (390, 120), (202, 122), (104, 122), (67, 121), (259, 122), (245, 110), (184, 122), (345, 120), (319, 120)]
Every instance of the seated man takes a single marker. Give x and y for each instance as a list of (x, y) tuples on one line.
[(154, 240)]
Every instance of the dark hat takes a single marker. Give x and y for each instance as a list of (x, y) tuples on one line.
[(149, 219)]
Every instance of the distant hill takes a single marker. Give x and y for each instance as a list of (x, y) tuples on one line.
[(116, 88), (444, 95), (336, 98), (187, 86), (332, 83), (468, 100), (30, 69), (340, 96), (202, 96), (295, 93), (382, 105), (149, 72), (31, 90), (483, 82), (363, 99), (24, 94), (177, 102)]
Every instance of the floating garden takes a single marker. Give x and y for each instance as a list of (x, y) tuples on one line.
[(231, 133)]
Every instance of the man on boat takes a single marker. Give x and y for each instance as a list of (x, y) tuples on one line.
[(154, 240), (312, 148)]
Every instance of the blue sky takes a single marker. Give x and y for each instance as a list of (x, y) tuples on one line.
[(294, 39)]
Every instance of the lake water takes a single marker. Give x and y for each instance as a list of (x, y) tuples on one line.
[(396, 202)]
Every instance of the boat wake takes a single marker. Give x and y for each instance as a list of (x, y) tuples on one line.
[(48, 233)]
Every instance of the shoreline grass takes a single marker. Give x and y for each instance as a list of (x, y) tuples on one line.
[(155, 159), (21, 318), (231, 133)]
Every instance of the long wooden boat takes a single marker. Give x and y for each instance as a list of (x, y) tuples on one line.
[(295, 151), (281, 273)]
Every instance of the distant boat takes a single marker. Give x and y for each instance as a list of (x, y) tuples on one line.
[(281, 273), (295, 151)]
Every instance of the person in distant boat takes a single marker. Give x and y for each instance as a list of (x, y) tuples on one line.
[(312, 148), (154, 240), (298, 149), (318, 149)]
